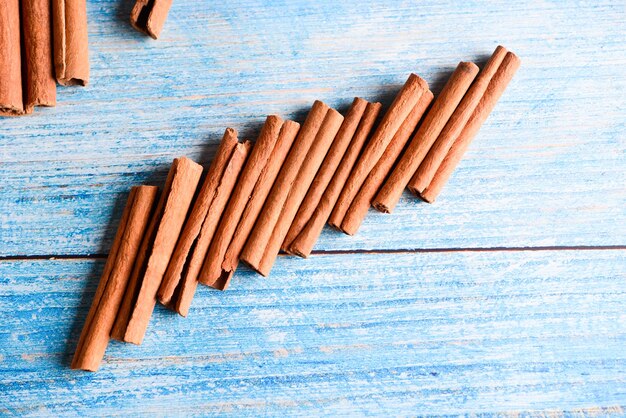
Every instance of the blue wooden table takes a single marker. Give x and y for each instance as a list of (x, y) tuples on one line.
[(508, 295)]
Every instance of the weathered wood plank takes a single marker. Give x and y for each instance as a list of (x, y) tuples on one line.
[(404, 333), (547, 169)]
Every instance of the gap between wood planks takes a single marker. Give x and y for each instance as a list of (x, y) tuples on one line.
[(334, 252)]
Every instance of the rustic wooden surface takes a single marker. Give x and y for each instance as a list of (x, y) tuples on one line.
[(508, 295)]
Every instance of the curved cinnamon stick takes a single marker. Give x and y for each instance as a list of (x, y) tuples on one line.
[(304, 242), (148, 16), (10, 59), (71, 50), (494, 90), (309, 168), (212, 273), (362, 201), (190, 233), (404, 102), (427, 169), (39, 70), (435, 120), (254, 249)]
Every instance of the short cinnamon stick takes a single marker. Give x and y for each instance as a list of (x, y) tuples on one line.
[(71, 51), (10, 59), (212, 272), (188, 237), (362, 201), (163, 232), (303, 244), (427, 169), (226, 185), (402, 105), (306, 174), (38, 67), (262, 189), (148, 16), (95, 335), (494, 90), (435, 120), (326, 171), (254, 249)]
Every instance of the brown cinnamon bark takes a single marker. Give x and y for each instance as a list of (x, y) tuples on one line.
[(404, 102), (304, 242), (224, 190), (310, 166), (494, 90), (38, 67), (435, 120), (362, 201), (212, 273), (262, 189), (188, 237), (11, 103), (326, 171), (71, 51), (427, 169), (255, 246), (148, 16), (163, 232), (95, 335)]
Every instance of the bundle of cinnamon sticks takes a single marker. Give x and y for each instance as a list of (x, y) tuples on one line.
[(40, 41), (278, 194)]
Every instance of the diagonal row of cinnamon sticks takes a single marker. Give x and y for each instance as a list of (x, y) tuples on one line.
[(279, 193), (40, 41)]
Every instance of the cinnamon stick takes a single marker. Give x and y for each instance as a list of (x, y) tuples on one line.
[(494, 90), (427, 169), (306, 174), (38, 67), (148, 16), (226, 185), (262, 189), (190, 233), (95, 335), (303, 244), (435, 120), (402, 105), (10, 59), (254, 249), (362, 201), (71, 52), (326, 171), (163, 232), (212, 272)]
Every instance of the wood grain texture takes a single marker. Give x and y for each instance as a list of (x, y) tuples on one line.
[(346, 332), (404, 334), (546, 169)]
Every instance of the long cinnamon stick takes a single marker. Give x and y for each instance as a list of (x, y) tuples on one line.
[(95, 335), (427, 169), (362, 201), (71, 51), (165, 226), (494, 90), (212, 273), (10, 59), (306, 174), (255, 246), (38, 67), (226, 185), (404, 102), (148, 16), (262, 189), (435, 120), (303, 244), (326, 171), (190, 233)]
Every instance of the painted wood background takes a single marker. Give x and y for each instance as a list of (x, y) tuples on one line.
[(508, 295)]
